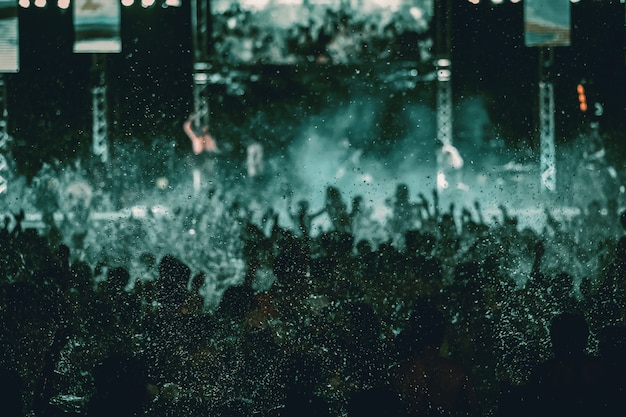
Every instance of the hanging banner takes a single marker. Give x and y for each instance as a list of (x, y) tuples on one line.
[(9, 41), (547, 22), (97, 26)]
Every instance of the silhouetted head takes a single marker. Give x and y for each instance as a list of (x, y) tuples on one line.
[(117, 278), (171, 268), (333, 194), (364, 247), (303, 205), (426, 328), (402, 192), (82, 275), (197, 282)]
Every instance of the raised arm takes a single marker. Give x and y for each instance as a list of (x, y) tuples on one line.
[(196, 141)]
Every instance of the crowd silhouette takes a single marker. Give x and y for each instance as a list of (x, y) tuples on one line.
[(453, 315)]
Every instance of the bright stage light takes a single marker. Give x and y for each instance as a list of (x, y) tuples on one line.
[(474, 1), (416, 13), (24, 3), (443, 63), (575, 1), (40, 3), (172, 3), (63, 4), (497, 1), (147, 3), (127, 3), (515, 1)]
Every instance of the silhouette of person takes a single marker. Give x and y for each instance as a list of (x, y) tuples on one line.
[(255, 164), (572, 382), (430, 384), (336, 209), (202, 144), (303, 219), (450, 165)]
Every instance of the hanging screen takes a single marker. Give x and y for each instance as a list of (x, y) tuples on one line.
[(285, 32)]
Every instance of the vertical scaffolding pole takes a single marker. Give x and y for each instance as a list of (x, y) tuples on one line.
[(201, 67), (443, 65), (4, 137), (547, 159), (100, 146), (444, 102), (4, 134)]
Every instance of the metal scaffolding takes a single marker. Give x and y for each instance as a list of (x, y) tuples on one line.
[(4, 134), (547, 159), (100, 146), (443, 65), (4, 137), (444, 102), (201, 67)]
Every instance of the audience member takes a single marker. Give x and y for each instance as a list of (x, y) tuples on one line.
[(572, 382), (430, 384)]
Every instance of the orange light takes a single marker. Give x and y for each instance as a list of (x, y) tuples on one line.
[(582, 97)]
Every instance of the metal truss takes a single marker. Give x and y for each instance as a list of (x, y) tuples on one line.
[(100, 146), (444, 109), (547, 163), (201, 67)]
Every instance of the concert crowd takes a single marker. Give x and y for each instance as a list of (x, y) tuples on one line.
[(453, 314)]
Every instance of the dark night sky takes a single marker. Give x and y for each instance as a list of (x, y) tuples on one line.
[(150, 81), (490, 56)]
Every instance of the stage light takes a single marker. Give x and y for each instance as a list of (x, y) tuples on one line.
[(40, 3), (63, 4), (24, 3), (443, 63), (575, 1), (127, 3), (582, 97), (515, 1), (147, 3), (416, 13), (172, 3), (162, 183), (474, 1), (497, 1)]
